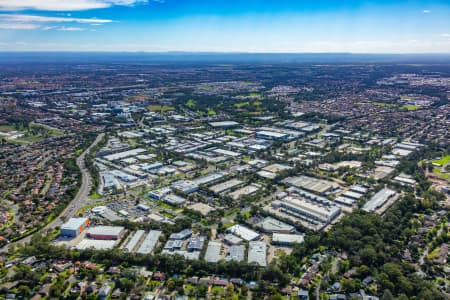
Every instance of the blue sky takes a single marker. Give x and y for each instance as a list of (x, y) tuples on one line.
[(227, 25)]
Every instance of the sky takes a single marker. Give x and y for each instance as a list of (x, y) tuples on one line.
[(278, 26)]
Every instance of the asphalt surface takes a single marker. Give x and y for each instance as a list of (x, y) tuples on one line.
[(81, 199)]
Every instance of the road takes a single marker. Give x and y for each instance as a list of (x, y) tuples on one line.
[(78, 201)]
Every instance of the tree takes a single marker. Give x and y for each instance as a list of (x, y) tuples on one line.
[(387, 295)]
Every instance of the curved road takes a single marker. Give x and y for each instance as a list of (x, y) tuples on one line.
[(79, 201)]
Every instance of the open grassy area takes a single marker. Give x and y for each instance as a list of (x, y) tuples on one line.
[(161, 108), (384, 104), (95, 195), (411, 107), (254, 95), (241, 104), (190, 103), (34, 133), (443, 161), (438, 172)]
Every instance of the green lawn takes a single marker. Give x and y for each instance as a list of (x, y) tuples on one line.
[(384, 104), (95, 195), (438, 172), (161, 108), (241, 104), (443, 161), (411, 107), (190, 103)]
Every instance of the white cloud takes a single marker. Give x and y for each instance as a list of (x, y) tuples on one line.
[(63, 5), (19, 26), (70, 29), (445, 35), (34, 18), (30, 22), (426, 11)]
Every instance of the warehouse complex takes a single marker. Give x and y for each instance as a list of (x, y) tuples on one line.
[(74, 226)]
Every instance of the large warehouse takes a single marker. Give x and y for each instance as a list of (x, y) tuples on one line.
[(309, 209), (74, 226), (106, 232)]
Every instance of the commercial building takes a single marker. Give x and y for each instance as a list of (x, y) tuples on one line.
[(272, 135), (270, 224), (134, 241), (257, 252), (244, 191), (182, 235), (312, 184), (212, 254), (125, 154), (287, 240), (149, 242), (308, 209), (106, 232), (231, 239), (236, 253), (174, 200), (209, 178), (244, 232), (196, 243), (185, 186), (74, 227), (225, 186), (224, 124), (96, 244), (159, 194), (378, 200), (173, 245)]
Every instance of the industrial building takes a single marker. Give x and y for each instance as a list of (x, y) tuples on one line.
[(312, 184), (185, 186), (125, 154), (172, 245), (196, 243), (209, 178), (74, 227), (159, 194), (212, 254), (257, 252), (96, 244), (244, 232), (272, 135), (378, 200), (182, 235), (287, 240), (270, 224), (225, 186), (231, 239), (224, 124), (106, 232), (236, 253), (174, 200), (149, 242), (308, 209), (134, 241)]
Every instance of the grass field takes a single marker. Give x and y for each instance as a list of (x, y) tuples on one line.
[(411, 107)]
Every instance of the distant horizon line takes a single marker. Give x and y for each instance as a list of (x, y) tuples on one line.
[(221, 52)]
